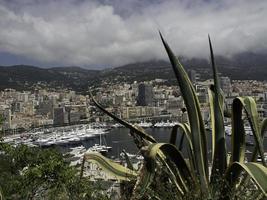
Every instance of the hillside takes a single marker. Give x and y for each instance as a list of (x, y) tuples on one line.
[(242, 66), (21, 76)]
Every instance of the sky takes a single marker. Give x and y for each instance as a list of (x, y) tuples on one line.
[(108, 33)]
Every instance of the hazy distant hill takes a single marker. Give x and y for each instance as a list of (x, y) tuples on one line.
[(242, 66), (20, 76)]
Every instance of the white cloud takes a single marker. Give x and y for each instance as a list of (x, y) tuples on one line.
[(115, 33)]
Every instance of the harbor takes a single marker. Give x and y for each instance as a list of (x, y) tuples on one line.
[(55, 136), (108, 139)]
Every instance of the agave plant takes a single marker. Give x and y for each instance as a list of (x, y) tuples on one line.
[(196, 177)]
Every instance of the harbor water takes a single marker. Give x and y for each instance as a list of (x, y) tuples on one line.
[(119, 139), (116, 139)]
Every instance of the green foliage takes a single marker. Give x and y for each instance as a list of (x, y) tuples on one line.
[(167, 174), (114, 169), (35, 173)]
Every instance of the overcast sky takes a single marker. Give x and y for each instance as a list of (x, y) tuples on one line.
[(103, 33)]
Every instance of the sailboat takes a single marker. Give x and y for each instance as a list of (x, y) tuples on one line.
[(101, 148)]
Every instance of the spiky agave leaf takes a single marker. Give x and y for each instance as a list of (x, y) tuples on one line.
[(145, 178), (219, 162), (255, 170), (238, 132), (162, 153), (263, 127), (118, 171), (128, 161), (173, 136), (172, 158), (180, 147), (253, 118), (194, 115), (175, 165), (185, 130), (263, 130), (137, 130), (212, 115), (184, 127)]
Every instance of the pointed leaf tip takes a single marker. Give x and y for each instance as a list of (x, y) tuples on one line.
[(161, 37), (160, 33), (210, 44)]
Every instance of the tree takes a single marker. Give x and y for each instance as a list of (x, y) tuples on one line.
[(35, 173)]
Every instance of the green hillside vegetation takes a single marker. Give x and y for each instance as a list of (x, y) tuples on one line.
[(35, 173)]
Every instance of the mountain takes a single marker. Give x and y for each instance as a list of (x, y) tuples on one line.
[(23, 76), (241, 66), (245, 66)]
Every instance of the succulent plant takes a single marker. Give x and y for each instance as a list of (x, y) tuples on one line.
[(165, 165)]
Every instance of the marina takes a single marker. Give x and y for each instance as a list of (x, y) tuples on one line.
[(56, 136), (109, 140)]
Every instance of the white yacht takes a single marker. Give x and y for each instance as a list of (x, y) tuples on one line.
[(162, 124), (117, 125), (158, 124), (145, 124), (100, 147), (77, 151)]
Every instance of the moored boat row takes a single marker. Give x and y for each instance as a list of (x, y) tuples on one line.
[(58, 136)]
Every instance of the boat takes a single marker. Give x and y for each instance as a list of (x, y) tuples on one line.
[(41, 141), (128, 154), (77, 151), (100, 147), (144, 124), (117, 125), (248, 152), (167, 124), (162, 124), (55, 136), (265, 157)]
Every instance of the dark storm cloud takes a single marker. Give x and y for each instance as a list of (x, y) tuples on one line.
[(76, 32)]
